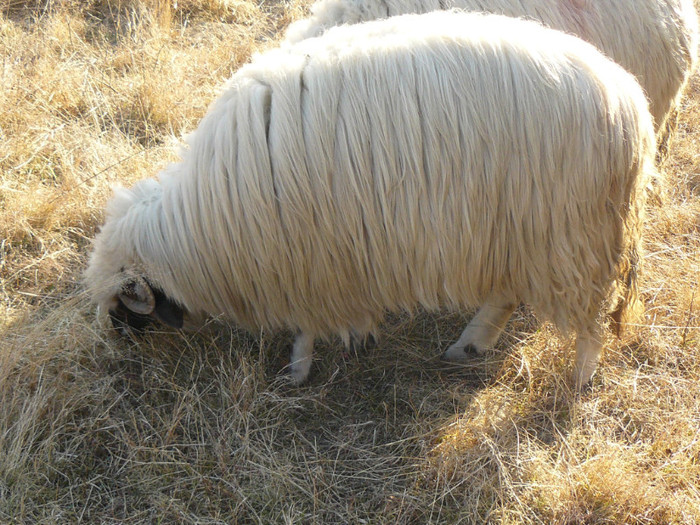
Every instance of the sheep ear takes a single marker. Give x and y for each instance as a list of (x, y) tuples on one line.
[(138, 297)]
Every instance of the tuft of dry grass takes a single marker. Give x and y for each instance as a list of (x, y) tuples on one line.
[(199, 428)]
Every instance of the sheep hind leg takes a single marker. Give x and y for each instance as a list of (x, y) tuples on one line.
[(588, 350), (483, 330), (363, 336), (301, 357)]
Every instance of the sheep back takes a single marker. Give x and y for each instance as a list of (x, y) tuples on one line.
[(655, 40)]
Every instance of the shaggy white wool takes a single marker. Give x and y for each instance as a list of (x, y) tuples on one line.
[(427, 160)]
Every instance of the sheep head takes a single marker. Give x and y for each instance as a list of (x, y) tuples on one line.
[(138, 304), (123, 285)]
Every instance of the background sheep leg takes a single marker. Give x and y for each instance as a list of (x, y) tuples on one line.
[(484, 329), (300, 360), (665, 134)]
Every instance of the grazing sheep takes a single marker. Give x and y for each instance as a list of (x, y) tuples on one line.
[(655, 40), (436, 160)]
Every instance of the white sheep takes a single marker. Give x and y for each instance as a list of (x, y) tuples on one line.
[(655, 40), (437, 160)]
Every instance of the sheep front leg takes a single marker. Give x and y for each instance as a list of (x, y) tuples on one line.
[(301, 357), (484, 329), (588, 349)]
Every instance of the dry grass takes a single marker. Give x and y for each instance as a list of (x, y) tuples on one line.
[(198, 428)]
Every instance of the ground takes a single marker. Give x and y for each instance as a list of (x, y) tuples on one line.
[(179, 428)]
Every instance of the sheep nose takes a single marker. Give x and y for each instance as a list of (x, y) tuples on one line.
[(127, 322)]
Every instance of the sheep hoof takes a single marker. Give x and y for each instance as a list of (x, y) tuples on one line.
[(457, 353), (472, 351), (582, 383), (585, 388)]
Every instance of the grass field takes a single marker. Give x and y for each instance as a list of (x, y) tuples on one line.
[(200, 428)]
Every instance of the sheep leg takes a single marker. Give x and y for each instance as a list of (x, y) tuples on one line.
[(300, 360), (362, 336), (484, 329), (588, 349), (363, 342)]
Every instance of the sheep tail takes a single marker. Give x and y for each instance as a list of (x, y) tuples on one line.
[(630, 308)]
